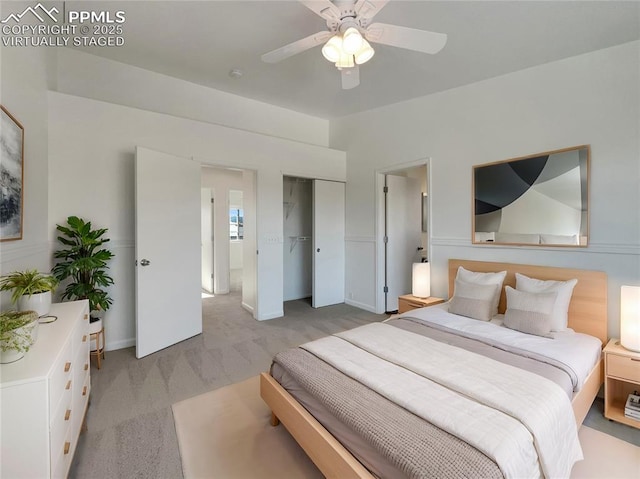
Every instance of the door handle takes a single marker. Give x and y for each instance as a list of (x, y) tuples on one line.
[(145, 262), (318, 250)]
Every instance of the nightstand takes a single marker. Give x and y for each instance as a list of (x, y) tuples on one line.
[(409, 302), (621, 378)]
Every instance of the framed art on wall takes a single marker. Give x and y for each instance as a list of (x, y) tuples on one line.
[(535, 200), (11, 176)]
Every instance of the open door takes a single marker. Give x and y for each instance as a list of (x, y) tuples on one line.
[(168, 267), (206, 209), (328, 243), (404, 230)]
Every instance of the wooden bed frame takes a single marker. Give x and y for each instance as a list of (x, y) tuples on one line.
[(587, 314)]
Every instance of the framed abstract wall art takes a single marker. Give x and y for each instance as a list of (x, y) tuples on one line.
[(11, 176), (540, 199)]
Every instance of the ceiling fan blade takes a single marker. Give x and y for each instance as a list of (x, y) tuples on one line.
[(369, 8), (404, 37), (296, 47), (324, 8), (350, 77)]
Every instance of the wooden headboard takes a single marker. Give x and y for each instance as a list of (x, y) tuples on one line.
[(588, 307)]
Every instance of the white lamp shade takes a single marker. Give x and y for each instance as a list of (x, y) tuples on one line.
[(346, 61), (630, 317), (351, 40), (332, 49), (421, 280), (365, 53)]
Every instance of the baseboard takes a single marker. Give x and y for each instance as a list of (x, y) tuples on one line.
[(357, 304), (247, 307), (122, 344), (273, 315)]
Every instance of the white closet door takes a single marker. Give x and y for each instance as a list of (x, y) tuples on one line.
[(168, 297), (328, 243), (404, 230)]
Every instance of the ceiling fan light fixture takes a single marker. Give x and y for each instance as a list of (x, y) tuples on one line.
[(365, 53), (345, 61), (333, 49), (351, 40)]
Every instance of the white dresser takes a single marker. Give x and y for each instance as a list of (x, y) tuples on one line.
[(44, 397)]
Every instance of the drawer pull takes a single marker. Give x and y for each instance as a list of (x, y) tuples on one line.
[(68, 386), (67, 415), (84, 338), (67, 447), (635, 359), (86, 366), (67, 367), (84, 391), (86, 316)]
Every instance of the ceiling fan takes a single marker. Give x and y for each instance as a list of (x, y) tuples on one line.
[(346, 42)]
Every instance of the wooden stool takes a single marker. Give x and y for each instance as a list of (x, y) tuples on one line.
[(96, 333)]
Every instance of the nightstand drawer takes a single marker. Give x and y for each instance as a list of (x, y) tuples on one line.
[(623, 368), (408, 302)]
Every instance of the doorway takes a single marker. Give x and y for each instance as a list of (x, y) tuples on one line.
[(402, 230), (228, 259), (297, 227), (313, 246)]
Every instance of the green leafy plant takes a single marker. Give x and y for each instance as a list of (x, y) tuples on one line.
[(27, 282), (83, 261), (15, 330)]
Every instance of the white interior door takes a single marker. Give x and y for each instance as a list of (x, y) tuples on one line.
[(328, 243), (206, 240), (404, 230), (168, 266)]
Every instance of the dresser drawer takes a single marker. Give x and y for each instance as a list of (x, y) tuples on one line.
[(61, 378), (623, 367), (61, 422), (61, 455)]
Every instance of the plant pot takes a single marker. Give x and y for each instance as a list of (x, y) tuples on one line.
[(38, 302), (26, 336)]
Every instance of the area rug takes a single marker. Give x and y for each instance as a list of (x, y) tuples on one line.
[(225, 434)]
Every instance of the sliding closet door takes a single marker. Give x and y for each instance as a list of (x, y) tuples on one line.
[(328, 243), (168, 296)]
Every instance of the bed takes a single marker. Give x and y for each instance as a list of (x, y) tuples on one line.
[(586, 315)]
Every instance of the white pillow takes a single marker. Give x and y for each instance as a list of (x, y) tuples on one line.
[(517, 238), (559, 239), (563, 289), (484, 279), (529, 313), (473, 300)]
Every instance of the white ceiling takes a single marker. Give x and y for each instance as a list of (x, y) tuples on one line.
[(201, 41)]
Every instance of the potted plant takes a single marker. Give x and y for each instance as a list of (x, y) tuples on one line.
[(18, 331), (31, 290), (83, 261)]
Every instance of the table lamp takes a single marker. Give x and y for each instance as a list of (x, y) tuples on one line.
[(421, 280), (630, 317)]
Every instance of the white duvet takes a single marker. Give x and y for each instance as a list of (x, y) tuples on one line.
[(522, 421), (578, 352)]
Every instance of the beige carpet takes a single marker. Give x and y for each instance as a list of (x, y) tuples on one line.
[(226, 434)]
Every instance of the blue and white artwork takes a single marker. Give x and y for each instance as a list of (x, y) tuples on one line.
[(11, 181)]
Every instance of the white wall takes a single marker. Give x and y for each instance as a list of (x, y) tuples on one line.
[(91, 149), (90, 76), (23, 92), (588, 99)]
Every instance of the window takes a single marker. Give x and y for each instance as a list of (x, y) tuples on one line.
[(236, 224)]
